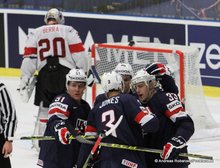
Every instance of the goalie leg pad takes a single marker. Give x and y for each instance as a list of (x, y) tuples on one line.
[(40, 124)]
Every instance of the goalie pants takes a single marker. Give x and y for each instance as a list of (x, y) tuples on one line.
[(51, 81), (4, 162)]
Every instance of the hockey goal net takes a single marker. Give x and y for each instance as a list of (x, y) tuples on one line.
[(183, 60)]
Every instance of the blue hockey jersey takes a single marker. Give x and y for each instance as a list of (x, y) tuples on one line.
[(129, 132), (53, 154), (173, 121)]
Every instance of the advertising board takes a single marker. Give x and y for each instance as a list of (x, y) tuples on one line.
[(206, 38), (93, 31), (99, 29)]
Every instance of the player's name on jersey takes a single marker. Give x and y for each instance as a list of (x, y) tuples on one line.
[(49, 29), (113, 100)]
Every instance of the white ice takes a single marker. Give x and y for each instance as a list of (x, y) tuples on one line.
[(24, 156)]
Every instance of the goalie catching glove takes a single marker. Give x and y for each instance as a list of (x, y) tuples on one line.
[(26, 88), (173, 148)]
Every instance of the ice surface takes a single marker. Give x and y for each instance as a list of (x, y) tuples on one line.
[(24, 156)]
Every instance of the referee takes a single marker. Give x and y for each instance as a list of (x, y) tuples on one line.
[(8, 123)]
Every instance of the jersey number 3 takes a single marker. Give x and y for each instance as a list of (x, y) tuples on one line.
[(109, 115)]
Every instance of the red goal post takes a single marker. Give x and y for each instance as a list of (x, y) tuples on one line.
[(184, 60)]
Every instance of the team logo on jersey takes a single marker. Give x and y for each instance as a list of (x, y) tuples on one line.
[(128, 163), (80, 125), (174, 105)]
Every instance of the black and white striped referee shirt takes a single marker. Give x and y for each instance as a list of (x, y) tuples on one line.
[(8, 118)]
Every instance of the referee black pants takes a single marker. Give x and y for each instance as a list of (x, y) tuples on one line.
[(4, 162)]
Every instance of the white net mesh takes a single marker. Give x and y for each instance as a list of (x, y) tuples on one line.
[(187, 73)]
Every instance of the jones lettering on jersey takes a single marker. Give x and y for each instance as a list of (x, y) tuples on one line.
[(174, 105), (59, 105), (50, 29), (113, 100), (128, 163)]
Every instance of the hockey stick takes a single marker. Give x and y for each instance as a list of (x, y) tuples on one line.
[(93, 68), (42, 138), (98, 141), (143, 149), (85, 139), (95, 73)]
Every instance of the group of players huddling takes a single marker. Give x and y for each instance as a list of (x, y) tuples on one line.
[(153, 115)]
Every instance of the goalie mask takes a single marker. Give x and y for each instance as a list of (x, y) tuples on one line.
[(111, 81), (76, 75), (124, 69), (54, 14)]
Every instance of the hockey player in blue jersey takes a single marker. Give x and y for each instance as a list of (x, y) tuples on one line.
[(104, 115), (126, 72), (176, 126), (67, 113)]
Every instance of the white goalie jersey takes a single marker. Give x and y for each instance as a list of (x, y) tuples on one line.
[(55, 41)]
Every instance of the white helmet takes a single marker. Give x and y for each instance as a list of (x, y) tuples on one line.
[(77, 75), (142, 76), (124, 69), (54, 14), (111, 81)]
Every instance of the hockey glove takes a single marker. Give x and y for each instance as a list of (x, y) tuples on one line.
[(157, 69), (64, 135), (172, 149)]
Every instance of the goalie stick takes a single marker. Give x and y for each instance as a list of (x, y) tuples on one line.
[(95, 74), (98, 141)]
